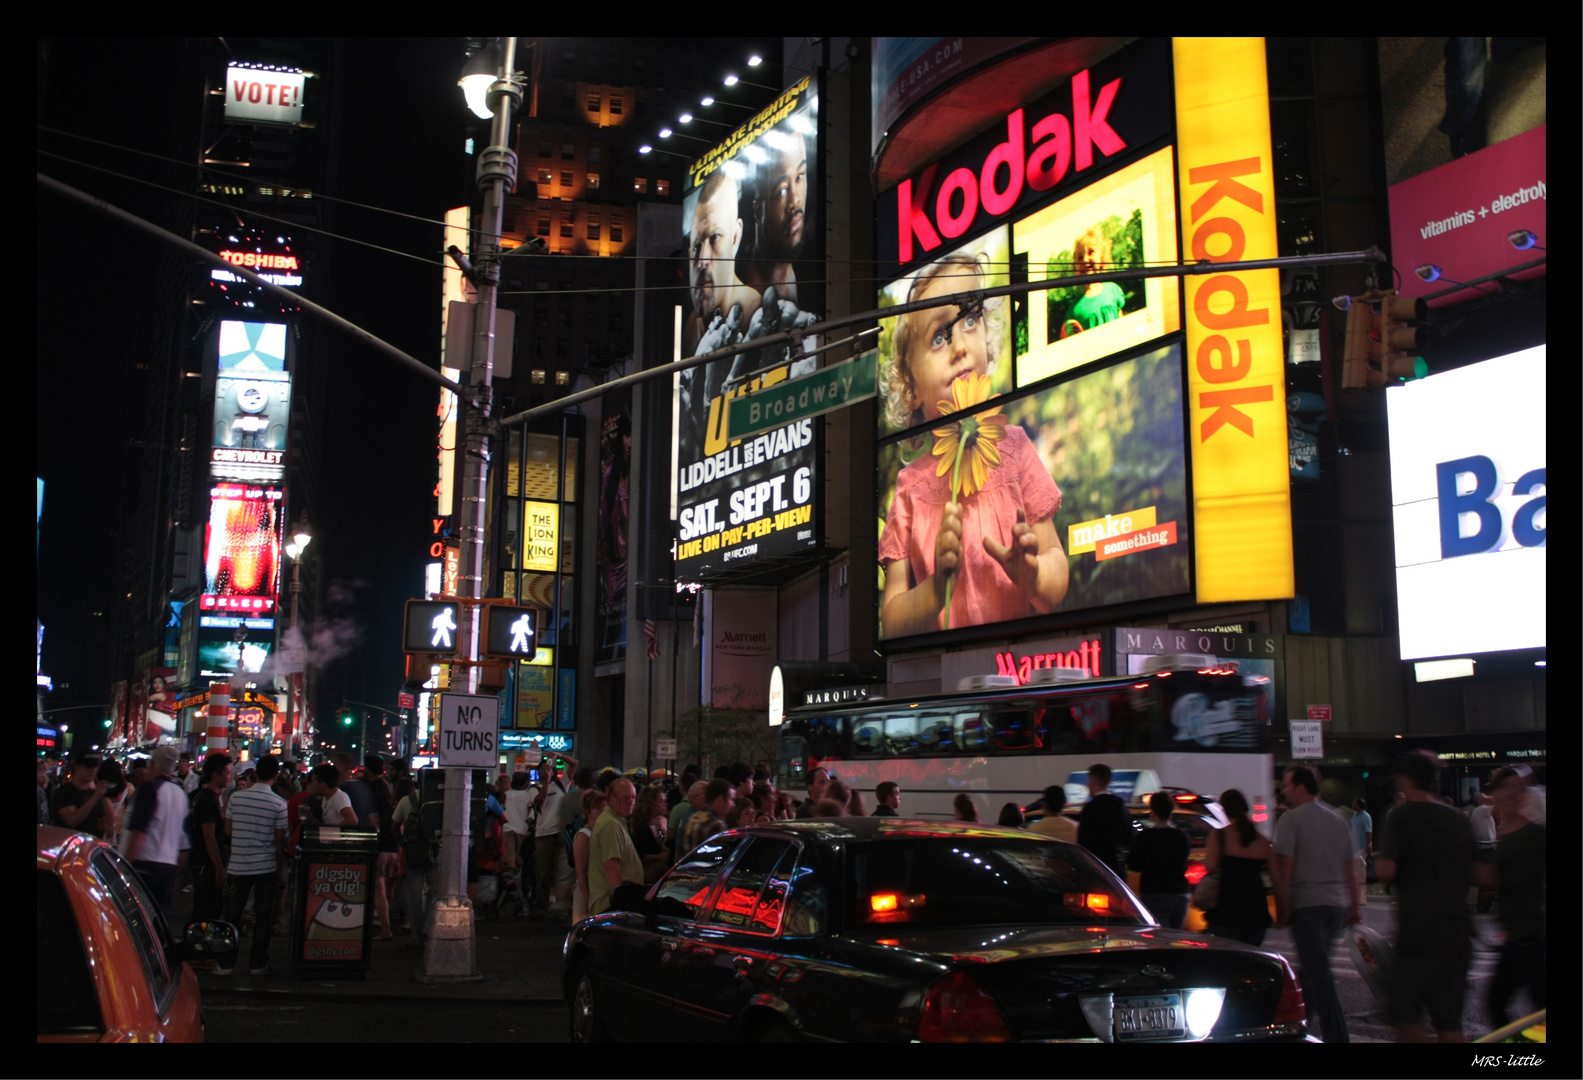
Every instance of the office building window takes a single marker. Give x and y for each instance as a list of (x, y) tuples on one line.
[(615, 234), (615, 106), (568, 151), (563, 349), (538, 377), (544, 149), (544, 226), (538, 348), (563, 319), (662, 187), (541, 319), (563, 378), (566, 178), (566, 229), (593, 102), (594, 155), (593, 230), (640, 185), (568, 101), (545, 177), (593, 181)]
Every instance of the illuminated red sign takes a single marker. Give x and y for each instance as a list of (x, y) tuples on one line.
[(1085, 656), (1059, 144), (261, 260)]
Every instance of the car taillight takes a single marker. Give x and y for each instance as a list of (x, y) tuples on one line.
[(958, 1009), (1290, 1009), (1196, 872)]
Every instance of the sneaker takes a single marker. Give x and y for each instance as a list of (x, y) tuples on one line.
[(265, 970), (218, 970)]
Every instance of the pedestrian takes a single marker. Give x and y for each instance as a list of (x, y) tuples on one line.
[(206, 828), (1315, 893), (594, 803), (156, 839), (1105, 827), (116, 797), (719, 797), (1054, 823), (421, 869), (1482, 823), (1427, 851), (887, 799), (1159, 854), (80, 802), (648, 833), (613, 861), (551, 801), (1520, 876), (1011, 816), (255, 820), (742, 814), (187, 775), (692, 802), (1362, 847), (818, 781), (355, 789), (836, 791), (741, 777), (518, 831), (43, 791), (388, 840), (963, 809), (334, 806), (1239, 852)]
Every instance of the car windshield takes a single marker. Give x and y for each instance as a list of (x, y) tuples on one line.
[(988, 881)]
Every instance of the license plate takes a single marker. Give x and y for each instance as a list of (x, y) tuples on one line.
[(1157, 1016)]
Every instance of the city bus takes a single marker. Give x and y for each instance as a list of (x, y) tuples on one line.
[(1187, 723)]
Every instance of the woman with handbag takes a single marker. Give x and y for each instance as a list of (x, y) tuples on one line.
[(1235, 859)]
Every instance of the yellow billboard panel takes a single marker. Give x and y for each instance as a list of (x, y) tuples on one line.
[(541, 534), (1236, 377)]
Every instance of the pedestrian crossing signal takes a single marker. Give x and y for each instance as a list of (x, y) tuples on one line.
[(511, 633), (431, 626)]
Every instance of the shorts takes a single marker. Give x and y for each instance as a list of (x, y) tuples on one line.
[(389, 864), (1434, 981)]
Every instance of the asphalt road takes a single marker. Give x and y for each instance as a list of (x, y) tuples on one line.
[(238, 1020)]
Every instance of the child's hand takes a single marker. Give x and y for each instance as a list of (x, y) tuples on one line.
[(948, 547), (1020, 559)]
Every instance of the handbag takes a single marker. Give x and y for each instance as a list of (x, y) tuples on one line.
[(1206, 894)]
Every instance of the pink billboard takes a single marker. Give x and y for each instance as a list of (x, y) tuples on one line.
[(1461, 219)]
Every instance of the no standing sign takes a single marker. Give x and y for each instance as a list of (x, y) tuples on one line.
[(468, 725)]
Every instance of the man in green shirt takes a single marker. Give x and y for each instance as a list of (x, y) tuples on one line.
[(612, 859)]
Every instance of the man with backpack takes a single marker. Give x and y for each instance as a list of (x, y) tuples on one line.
[(418, 850)]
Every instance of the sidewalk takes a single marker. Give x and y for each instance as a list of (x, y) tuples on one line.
[(519, 961)]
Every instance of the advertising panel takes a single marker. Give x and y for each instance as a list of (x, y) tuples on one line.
[(252, 402), (234, 645), (1236, 373), (1123, 222), (1468, 505), (272, 95), (242, 549), (541, 533), (755, 248), (615, 501), (1072, 497), (536, 690), (741, 648), (922, 352)]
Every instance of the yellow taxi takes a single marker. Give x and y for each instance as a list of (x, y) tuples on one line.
[(108, 970)]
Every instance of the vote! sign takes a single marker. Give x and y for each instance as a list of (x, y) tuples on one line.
[(467, 730)]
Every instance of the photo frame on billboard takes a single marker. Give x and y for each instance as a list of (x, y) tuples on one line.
[(943, 343), (242, 544), (755, 268), (252, 402), (1093, 469), (234, 651), (1126, 220)]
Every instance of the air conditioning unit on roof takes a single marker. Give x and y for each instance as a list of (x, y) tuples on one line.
[(986, 682)]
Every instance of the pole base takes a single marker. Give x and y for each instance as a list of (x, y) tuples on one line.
[(450, 952)]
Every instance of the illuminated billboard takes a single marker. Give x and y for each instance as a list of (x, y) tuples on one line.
[(1072, 497), (1468, 507), (755, 267), (234, 645), (242, 545), (263, 93), (1125, 221), (921, 352), (252, 402)]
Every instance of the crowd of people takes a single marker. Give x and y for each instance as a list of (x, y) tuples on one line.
[(570, 843)]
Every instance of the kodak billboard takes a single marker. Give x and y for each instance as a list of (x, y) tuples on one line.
[(1235, 374)]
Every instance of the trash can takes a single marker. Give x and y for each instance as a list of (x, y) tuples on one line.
[(332, 928)]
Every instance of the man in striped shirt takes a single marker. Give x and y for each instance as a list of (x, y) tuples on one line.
[(255, 820)]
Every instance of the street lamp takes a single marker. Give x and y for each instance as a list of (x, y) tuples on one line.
[(301, 536)]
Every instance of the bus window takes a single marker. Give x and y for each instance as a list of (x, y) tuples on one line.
[(1019, 731), (901, 734), (868, 737), (936, 734), (974, 733)]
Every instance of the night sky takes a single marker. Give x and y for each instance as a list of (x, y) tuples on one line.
[(401, 135)]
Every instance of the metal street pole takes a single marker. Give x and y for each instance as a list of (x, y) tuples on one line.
[(450, 950)]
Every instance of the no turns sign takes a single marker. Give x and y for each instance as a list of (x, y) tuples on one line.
[(467, 730)]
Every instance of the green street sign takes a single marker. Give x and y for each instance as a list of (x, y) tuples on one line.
[(826, 390)]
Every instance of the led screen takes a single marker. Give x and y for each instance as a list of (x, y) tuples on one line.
[(754, 242), (1092, 470), (242, 549), (944, 341), (1125, 221), (1468, 505), (252, 402)]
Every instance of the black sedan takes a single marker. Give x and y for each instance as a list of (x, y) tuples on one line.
[(890, 929)]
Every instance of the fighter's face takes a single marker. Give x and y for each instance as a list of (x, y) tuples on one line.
[(717, 232), (784, 202)]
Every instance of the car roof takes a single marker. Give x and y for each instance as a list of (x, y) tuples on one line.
[(58, 846), (883, 828)]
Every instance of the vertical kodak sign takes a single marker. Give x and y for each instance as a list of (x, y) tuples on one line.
[(1236, 379)]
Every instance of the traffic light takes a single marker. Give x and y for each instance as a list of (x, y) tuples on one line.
[(431, 626), (510, 632), (1381, 347), (346, 716)]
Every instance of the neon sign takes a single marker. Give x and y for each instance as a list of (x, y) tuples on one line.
[(1085, 656)]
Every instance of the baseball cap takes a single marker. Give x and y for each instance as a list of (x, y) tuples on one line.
[(163, 761)]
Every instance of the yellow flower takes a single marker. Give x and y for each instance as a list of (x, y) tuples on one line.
[(971, 440)]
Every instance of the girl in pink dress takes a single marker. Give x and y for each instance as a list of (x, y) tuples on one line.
[(998, 543)]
